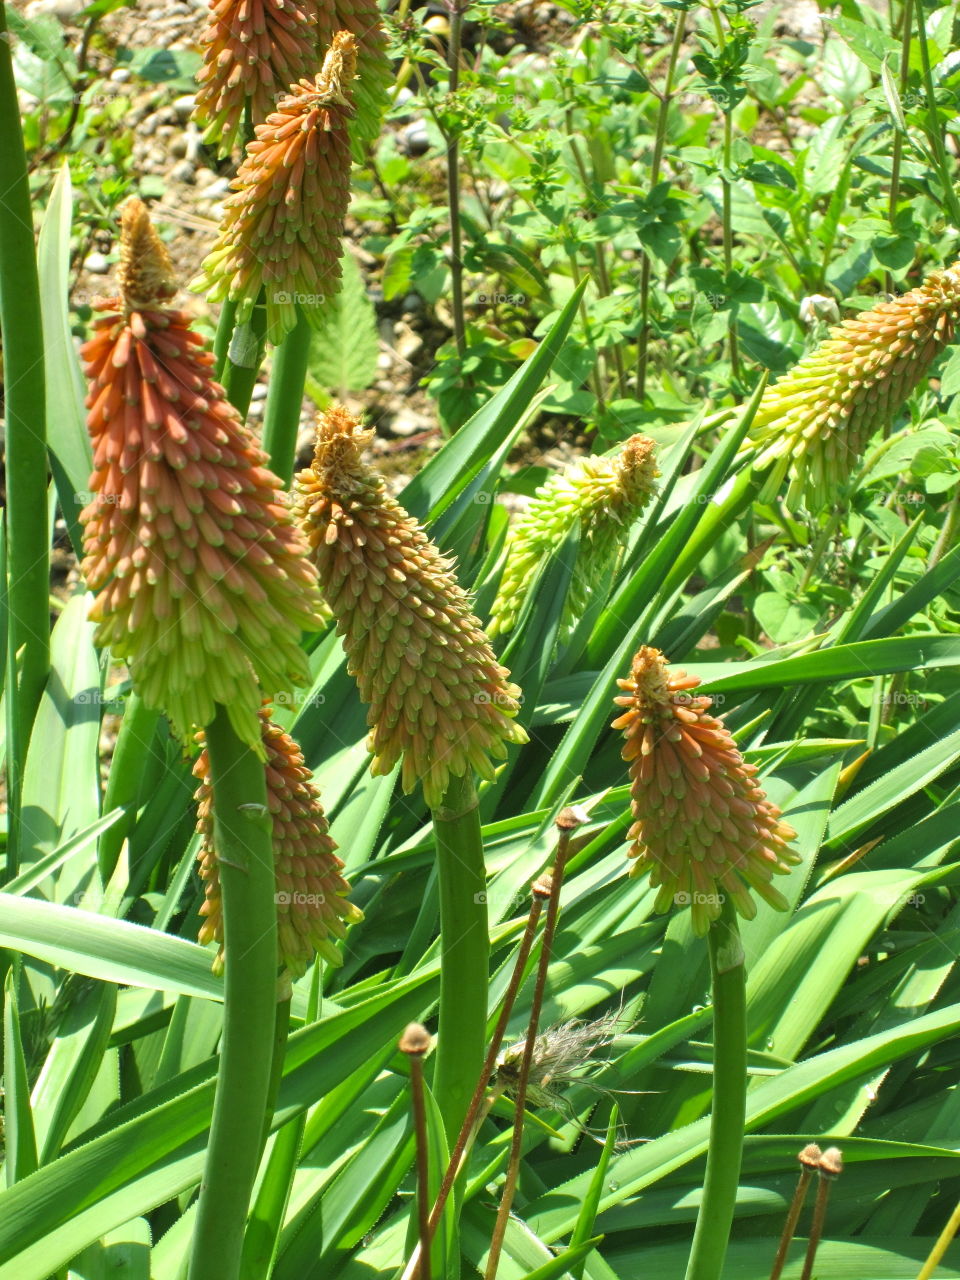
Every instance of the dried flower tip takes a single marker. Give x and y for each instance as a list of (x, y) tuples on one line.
[(814, 423), (415, 1040), (810, 1156), (604, 495), (831, 1163), (282, 226), (312, 908), (572, 817), (253, 51), (542, 887), (201, 578), (145, 274), (703, 827), (374, 72), (438, 698)]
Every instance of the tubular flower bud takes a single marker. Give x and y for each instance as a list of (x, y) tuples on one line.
[(605, 495), (362, 19), (437, 695), (312, 909), (282, 225), (704, 827), (813, 425), (203, 585), (252, 50)]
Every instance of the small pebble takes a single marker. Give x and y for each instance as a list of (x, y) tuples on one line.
[(259, 392), (415, 139), (183, 172), (405, 424), (97, 264), (184, 106), (120, 75)]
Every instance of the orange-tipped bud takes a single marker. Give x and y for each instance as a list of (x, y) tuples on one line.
[(282, 226), (704, 828)]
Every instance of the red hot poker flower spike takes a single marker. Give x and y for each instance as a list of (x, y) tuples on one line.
[(704, 827)]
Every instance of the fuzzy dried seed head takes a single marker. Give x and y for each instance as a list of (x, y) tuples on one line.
[(831, 1162), (704, 828), (438, 697), (810, 1156)]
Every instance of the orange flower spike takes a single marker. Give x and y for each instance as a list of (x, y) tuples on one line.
[(253, 50), (312, 908), (201, 579), (282, 225), (438, 697), (703, 826)]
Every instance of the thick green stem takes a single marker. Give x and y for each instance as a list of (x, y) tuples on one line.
[(281, 420), (134, 742), (465, 951), (28, 546), (244, 358), (243, 839), (221, 341), (729, 1099)]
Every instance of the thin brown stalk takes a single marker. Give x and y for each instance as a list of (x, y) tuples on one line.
[(830, 1166), (414, 1042), (809, 1159), (567, 822), (470, 1120)]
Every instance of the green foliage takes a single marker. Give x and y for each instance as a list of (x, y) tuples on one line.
[(828, 640)]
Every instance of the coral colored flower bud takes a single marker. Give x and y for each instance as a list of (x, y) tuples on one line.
[(202, 582), (704, 828), (605, 495), (282, 225), (437, 695), (253, 51), (312, 909)]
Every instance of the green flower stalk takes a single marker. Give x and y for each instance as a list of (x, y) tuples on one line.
[(312, 908), (201, 578), (282, 225), (813, 424), (704, 829), (438, 697), (253, 50), (605, 494), (374, 72)]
